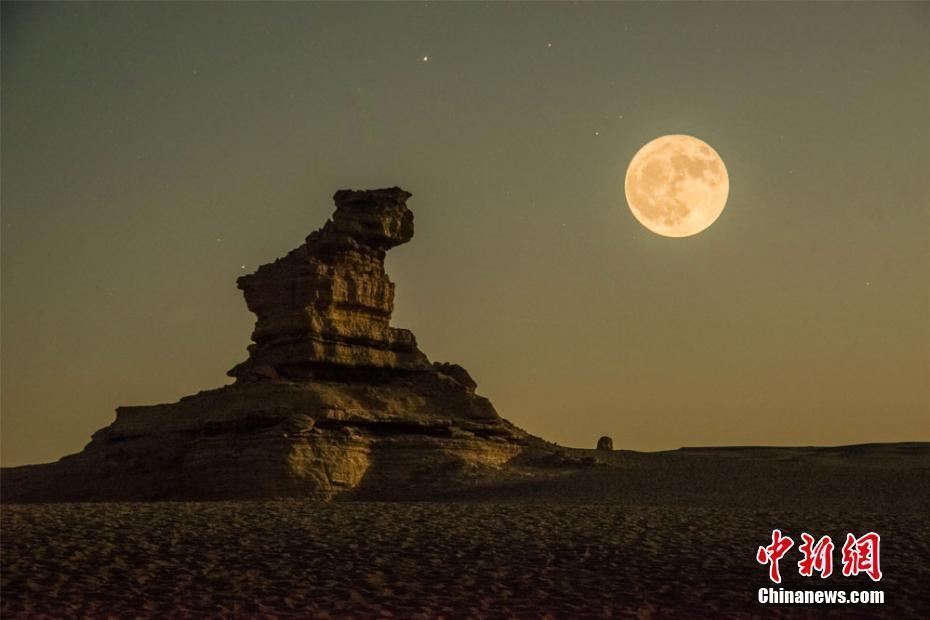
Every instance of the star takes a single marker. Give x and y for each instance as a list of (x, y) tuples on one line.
[(597, 133), (548, 44), (426, 59)]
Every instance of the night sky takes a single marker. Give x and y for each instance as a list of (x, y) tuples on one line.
[(153, 153)]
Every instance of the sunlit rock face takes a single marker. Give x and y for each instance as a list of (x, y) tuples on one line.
[(328, 303), (331, 400)]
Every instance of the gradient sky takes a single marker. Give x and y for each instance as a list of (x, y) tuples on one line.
[(153, 153)]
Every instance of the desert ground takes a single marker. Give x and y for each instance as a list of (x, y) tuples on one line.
[(670, 534)]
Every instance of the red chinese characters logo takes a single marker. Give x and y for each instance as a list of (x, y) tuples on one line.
[(773, 553), (860, 555), (817, 557)]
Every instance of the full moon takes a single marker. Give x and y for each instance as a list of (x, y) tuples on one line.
[(677, 186)]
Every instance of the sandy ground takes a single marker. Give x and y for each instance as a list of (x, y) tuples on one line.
[(578, 545)]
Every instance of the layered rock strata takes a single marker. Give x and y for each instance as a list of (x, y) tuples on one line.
[(331, 399), (327, 305)]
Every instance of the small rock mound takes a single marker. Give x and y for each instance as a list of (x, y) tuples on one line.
[(605, 443)]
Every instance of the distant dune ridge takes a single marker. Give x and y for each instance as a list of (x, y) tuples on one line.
[(331, 398)]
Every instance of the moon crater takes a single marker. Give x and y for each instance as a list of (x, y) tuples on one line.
[(677, 185)]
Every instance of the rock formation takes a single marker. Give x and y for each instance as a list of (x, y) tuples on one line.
[(327, 305), (605, 443), (331, 399)]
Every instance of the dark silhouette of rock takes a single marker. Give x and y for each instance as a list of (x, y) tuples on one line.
[(605, 443), (331, 399)]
